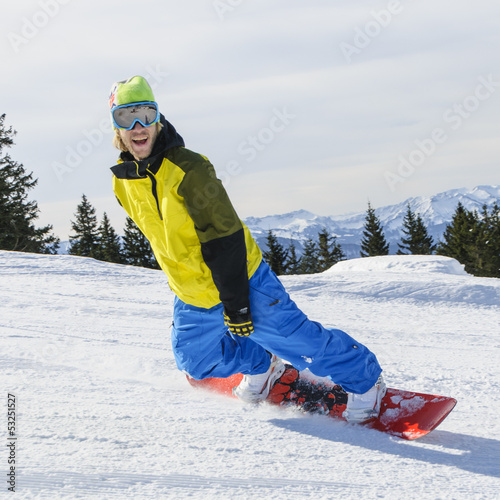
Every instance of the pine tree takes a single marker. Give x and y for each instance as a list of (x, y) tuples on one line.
[(417, 240), (486, 253), (492, 242), (109, 247), (373, 242), (17, 214), (85, 241), (309, 259), (329, 251), (275, 255), (461, 238), (292, 264), (136, 248)]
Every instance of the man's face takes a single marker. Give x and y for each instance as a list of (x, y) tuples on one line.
[(140, 140)]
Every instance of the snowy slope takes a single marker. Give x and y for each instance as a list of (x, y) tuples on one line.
[(104, 413), (436, 212)]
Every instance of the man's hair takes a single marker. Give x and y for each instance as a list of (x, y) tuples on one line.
[(117, 140)]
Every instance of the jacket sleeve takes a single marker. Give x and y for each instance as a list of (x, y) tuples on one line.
[(220, 232)]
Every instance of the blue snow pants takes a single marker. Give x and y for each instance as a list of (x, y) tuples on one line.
[(203, 347)]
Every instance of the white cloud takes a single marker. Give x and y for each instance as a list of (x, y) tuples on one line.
[(220, 81)]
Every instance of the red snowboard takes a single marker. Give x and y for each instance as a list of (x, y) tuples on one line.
[(408, 415)]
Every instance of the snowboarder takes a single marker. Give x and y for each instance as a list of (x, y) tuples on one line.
[(231, 312)]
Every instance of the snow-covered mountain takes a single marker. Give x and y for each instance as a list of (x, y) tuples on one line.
[(436, 212), (103, 413)]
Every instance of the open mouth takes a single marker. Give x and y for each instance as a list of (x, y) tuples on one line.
[(140, 141)]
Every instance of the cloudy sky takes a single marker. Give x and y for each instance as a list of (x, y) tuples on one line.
[(318, 105)]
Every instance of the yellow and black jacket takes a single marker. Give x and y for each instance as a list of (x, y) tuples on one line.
[(177, 201)]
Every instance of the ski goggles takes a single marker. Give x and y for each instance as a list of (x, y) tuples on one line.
[(127, 115)]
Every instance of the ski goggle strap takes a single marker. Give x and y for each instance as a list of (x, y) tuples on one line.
[(127, 115)]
